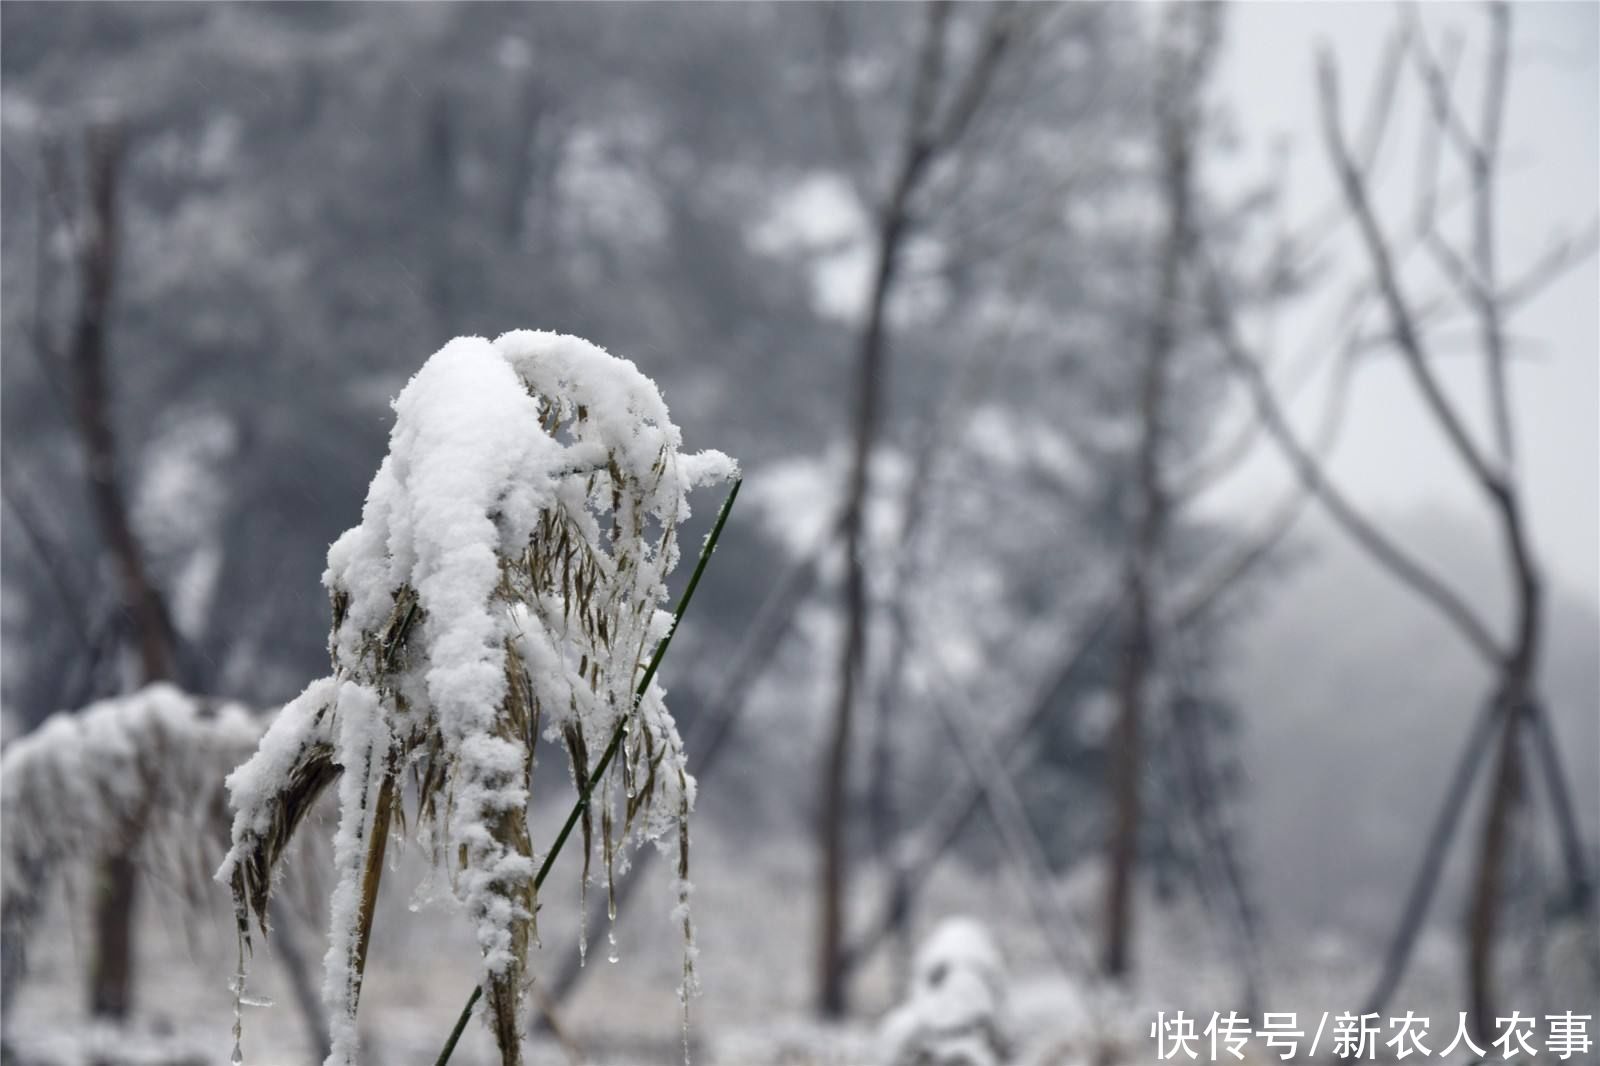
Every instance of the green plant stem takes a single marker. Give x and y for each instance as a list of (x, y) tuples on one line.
[(611, 749), (460, 1026)]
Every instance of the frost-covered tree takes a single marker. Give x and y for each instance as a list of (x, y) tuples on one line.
[(138, 777), (505, 583)]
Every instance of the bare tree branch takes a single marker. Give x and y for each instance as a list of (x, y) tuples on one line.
[(998, 33), (1399, 563), (1484, 180), (1207, 591), (1420, 895), (1436, 80), (920, 851), (1579, 877), (841, 111), (1380, 109), (1018, 836), (1407, 338), (1566, 254), (1211, 469), (74, 604)]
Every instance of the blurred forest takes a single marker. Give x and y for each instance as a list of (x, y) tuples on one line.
[(987, 301)]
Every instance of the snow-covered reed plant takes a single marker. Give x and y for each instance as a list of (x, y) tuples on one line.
[(506, 582), (141, 773)]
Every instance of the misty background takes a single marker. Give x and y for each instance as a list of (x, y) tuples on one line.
[(312, 198)]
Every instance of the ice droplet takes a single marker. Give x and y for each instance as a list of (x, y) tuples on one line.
[(236, 986), (583, 924), (611, 937)]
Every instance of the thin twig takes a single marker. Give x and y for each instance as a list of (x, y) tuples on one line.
[(1484, 180), (944, 823), (1563, 256), (1019, 837), (75, 605), (1406, 335), (841, 110), (1423, 883), (1208, 590), (1310, 472)]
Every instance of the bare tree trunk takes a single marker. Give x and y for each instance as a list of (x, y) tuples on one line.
[(1483, 915), (19, 909), (115, 883), (92, 407), (520, 167), (1507, 791), (871, 359), (928, 133), (1126, 765), (1175, 113), (882, 816), (111, 968), (869, 391)]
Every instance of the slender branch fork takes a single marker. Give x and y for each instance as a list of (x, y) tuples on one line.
[(587, 792), (1471, 275)]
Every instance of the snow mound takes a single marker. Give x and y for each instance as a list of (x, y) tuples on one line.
[(955, 1012)]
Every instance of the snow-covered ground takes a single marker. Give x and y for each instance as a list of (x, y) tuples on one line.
[(754, 914)]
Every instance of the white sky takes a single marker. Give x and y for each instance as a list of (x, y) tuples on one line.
[(1390, 457)]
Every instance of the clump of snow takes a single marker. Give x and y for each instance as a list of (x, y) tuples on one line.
[(955, 1011), (140, 773), (80, 782), (506, 581)]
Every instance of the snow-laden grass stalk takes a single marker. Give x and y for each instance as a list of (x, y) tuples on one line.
[(606, 756), (505, 582)]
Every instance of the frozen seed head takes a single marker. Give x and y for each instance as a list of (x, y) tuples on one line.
[(507, 581)]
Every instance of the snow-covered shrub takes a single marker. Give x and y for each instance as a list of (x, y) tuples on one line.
[(145, 770), (955, 1009), (506, 582)]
